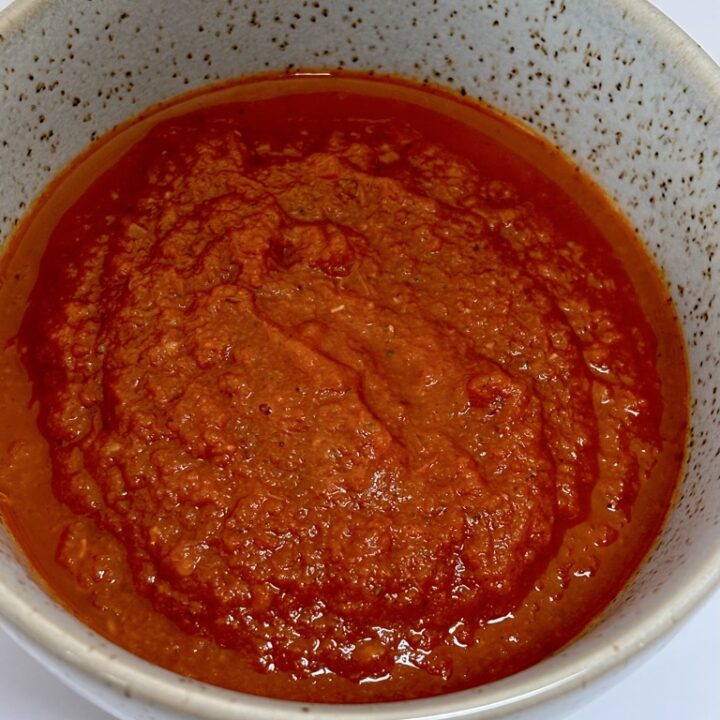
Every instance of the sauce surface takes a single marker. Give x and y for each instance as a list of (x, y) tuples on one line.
[(343, 390)]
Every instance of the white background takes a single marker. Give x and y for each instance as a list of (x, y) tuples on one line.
[(680, 681)]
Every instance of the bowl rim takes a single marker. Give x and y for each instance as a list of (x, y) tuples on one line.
[(106, 663)]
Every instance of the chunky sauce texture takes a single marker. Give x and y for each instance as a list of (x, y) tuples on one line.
[(338, 397)]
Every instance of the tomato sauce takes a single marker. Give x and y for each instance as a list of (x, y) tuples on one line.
[(335, 389)]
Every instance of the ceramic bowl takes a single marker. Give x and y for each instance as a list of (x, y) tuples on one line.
[(614, 84)]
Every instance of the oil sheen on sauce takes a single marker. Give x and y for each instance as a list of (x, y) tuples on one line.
[(335, 389)]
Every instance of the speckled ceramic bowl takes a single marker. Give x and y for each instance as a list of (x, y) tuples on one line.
[(613, 83)]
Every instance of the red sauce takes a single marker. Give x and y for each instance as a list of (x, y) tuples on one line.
[(346, 391)]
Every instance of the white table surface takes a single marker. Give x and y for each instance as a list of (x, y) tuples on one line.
[(680, 681)]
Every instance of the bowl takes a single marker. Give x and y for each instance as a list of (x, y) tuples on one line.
[(615, 85)]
